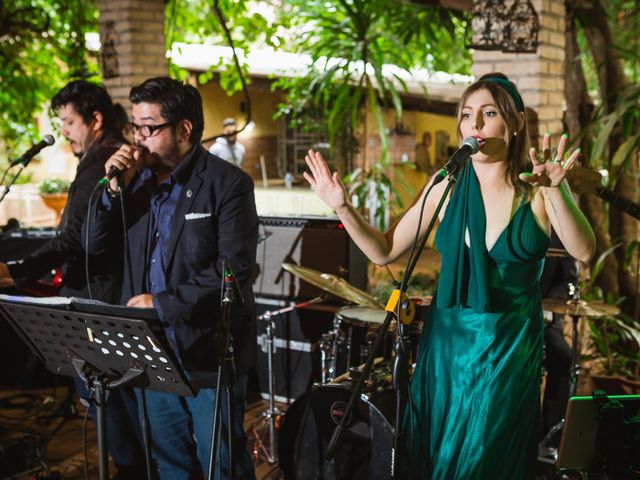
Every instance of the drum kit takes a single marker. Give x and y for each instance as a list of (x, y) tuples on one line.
[(310, 420), (575, 308), (342, 351)]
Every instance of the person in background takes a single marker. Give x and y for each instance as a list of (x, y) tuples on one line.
[(559, 278), (228, 147), (188, 212), (87, 121), (122, 123), (476, 384), (423, 156)]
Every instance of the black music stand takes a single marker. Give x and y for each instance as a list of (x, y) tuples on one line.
[(107, 346)]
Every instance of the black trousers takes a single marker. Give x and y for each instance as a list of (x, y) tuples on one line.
[(557, 362)]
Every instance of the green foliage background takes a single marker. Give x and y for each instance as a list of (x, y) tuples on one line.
[(42, 46)]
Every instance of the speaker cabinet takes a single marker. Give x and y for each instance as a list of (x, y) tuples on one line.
[(320, 244)]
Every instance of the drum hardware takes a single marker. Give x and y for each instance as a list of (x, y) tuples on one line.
[(272, 416), (330, 345), (335, 341), (556, 252), (576, 309), (337, 346)]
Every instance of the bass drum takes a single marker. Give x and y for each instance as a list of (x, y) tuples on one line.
[(364, 450)]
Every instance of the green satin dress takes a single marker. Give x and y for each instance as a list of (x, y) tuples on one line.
[(476, 384)]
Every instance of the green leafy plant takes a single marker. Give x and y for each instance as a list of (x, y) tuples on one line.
[(351, 42), (420, 285), (55, 185), (615, 339), (372, 191), (42, 46), (625, 117)]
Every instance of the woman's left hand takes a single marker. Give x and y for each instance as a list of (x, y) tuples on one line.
[(547, 172)]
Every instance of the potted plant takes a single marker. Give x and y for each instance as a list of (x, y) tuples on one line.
[(54, 195)]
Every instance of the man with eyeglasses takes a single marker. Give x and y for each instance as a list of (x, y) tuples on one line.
[(187, 212), (87, 121)]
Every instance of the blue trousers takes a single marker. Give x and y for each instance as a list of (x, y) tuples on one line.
[(180, 429)]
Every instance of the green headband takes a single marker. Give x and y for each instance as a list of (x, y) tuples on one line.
[(511, 90)]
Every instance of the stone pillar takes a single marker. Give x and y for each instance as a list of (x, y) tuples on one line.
[(539, 76), (134, 31)]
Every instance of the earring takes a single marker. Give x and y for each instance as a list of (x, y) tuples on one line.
[(515, 134)]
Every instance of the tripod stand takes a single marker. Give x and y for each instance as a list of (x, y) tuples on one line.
[(271, 417)]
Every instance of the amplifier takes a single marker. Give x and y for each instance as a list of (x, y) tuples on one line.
[(317, 243), (18, 366), (17, 244)]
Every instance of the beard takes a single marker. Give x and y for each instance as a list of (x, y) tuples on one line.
[(164, 160)]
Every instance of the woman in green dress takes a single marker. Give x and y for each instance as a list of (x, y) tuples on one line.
[(475, 388)]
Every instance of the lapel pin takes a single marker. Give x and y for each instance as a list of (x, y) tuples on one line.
[(189, 193)]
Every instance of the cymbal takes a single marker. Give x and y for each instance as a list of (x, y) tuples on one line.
[(333, 284), (579, 308), (557, 252)]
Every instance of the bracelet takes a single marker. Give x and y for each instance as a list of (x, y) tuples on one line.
[(112, 193)]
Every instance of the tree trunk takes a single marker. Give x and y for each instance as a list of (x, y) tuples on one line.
[(612, 80), (627, 229), (577, 116)]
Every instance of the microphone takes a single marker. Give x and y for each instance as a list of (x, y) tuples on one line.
[(46, 141), (470, 145), (231, 286), (113, 173)]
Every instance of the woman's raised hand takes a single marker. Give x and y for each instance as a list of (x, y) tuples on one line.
[(327, 186), (547, 172)]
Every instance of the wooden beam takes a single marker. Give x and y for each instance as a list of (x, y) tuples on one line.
[(460, 5)]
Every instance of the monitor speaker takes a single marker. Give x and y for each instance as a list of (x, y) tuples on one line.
[(322, 245)]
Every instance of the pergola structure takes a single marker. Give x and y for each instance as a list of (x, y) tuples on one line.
[(134, 31)]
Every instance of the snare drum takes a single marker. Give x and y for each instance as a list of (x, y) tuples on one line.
[(366, 441), (348, 343), (362, 316)]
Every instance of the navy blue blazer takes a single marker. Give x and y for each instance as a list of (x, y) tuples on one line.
[(215, 219)]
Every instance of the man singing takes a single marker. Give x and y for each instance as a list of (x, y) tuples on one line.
[(187, 212)]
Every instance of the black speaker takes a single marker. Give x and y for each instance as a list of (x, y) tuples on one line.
[(296, 361), (320, 244), (17, 244)]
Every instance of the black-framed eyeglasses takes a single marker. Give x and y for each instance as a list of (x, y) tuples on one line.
[(147, 130)]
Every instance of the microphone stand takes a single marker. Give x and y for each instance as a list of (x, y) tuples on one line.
[(400, 367), (13, 180), (226, 368)]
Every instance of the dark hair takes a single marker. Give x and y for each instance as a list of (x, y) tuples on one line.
[(86, 98), (177, 101), (518, 145), (120, 117)]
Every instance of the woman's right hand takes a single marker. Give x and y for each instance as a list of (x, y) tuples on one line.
[(328, 187)]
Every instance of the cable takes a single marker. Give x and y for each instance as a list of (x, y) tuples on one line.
[(85, 453), (125, 236), (243, 82), (86, 241)]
